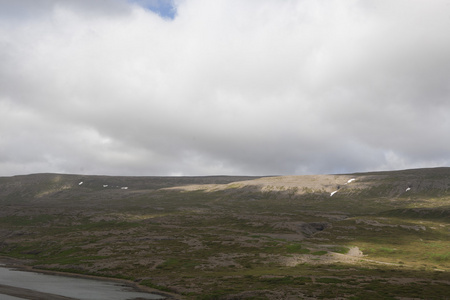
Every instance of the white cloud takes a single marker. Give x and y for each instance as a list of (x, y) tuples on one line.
[(231, 87)]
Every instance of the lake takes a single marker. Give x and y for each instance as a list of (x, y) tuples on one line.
[(12, 281)]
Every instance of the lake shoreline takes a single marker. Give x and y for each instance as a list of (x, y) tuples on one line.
[(29, 294), (18, 264)]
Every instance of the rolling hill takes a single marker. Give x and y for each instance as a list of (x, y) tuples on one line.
[(364, 235)]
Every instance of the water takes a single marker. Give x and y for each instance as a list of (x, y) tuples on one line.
[(6, 297), (78, 288)]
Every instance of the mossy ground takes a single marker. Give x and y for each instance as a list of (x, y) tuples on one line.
[(244, 239)]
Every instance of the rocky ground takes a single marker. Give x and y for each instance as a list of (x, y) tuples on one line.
[(322, 236)]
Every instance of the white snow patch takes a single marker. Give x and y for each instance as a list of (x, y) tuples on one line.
[(105, 185), (81, 182), (350, 180), (124, 188), (407, 189), (331, 195)]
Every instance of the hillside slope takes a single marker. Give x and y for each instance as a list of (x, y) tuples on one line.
[(375, 235)]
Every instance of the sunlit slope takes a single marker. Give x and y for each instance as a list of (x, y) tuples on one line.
[(408, 184)]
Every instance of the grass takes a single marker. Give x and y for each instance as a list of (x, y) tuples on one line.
[(27, 220), (340, 249), (296, 248), (440, 258), (239, 240)]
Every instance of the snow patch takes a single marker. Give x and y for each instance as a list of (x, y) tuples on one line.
[(105, 185), (331, 195), (350, 180), (81, 182), (407, 189), (124, 188)]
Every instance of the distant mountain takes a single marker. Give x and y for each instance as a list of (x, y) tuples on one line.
[(37, 187)]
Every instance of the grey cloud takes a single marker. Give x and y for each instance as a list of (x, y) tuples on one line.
[(227, 87), (26, 10)]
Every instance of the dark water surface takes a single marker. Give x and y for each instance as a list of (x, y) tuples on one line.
[(77, 288)]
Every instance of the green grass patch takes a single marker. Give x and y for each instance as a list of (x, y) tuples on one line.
[(297, 248), (341, 250), (149, 283), (440, 258), (328, 280), (27, 220), (285, 280)]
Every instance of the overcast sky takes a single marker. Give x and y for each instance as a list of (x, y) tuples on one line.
[(194, 87)]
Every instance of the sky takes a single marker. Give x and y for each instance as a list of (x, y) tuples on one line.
[(229, 87)]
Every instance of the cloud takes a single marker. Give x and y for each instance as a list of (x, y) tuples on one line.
[(225, 87)]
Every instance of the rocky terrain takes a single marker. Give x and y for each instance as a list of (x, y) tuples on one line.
[(372, 235)]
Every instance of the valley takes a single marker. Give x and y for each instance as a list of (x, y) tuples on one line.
[(378, 235)]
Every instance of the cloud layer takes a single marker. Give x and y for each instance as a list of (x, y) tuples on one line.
[(225, 87)]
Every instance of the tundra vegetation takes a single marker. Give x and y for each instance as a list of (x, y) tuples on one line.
[(382, 235)]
